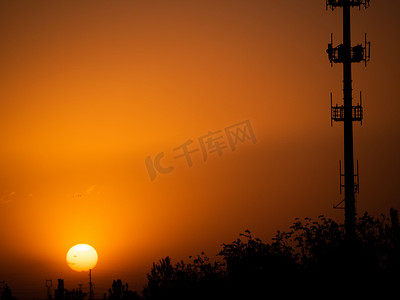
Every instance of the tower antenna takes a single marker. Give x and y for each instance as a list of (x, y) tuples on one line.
[(90, 285), (347, 54)]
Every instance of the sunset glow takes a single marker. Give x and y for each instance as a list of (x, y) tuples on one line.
[(165, 128)]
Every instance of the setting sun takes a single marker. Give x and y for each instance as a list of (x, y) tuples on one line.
[(82, 257)]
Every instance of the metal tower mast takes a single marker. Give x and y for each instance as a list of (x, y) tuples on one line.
[(347, 112), (90, 285)]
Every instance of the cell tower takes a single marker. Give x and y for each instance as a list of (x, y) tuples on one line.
[(91, 296), (347, 54)]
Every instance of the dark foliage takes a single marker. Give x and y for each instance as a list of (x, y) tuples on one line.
[(6, 294), (195, 280), (120, 291), (63, 294), (312, 258)]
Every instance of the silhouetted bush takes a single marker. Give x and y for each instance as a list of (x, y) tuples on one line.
[(63, 294), (6, 294), (184, 281), (312, 257), (120, 291)]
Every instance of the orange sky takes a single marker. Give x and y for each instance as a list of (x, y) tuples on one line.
[(89, 89)]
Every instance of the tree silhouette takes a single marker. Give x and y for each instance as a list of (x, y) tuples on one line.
[(6, 294), (120, 291), (63, 294), (59, 293), (256, 268), (195, 280), (312, 257)]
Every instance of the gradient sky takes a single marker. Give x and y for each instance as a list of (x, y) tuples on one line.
[(89, 89)]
